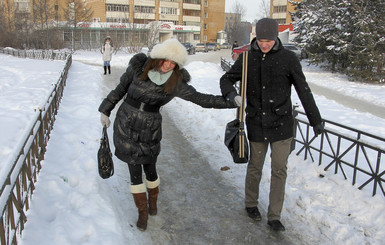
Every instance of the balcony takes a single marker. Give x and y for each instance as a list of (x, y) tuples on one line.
[(280, 3), (144, 16), (144, 3), (168, 17), (192, 18), (191, 6)]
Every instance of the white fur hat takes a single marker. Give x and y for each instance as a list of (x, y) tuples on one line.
[(170, 49)]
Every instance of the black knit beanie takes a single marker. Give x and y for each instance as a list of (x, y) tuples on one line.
[(266, 28)]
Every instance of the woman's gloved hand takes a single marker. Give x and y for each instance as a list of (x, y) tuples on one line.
[(235, 98), (105, 120)]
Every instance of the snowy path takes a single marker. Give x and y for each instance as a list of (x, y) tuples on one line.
[(198, 203)]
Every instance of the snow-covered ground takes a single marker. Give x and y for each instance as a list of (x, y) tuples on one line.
[(69, 205)]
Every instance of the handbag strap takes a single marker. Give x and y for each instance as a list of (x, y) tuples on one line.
[(241, 110), (243, 86), (105, 135)]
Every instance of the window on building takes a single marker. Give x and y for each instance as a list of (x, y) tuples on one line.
[(190, 23), (192, 1), (197, 37), (175, 22), (206, 3), (117, 20), (205, 38), (206, 15), (190, 12), (172, 11), (281, 21), (117, 8), (279, 9), (205, 26), (144, 9)]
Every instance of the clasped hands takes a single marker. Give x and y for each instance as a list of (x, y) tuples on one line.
[(235, 98)]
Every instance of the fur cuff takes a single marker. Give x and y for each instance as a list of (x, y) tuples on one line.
[(134, 189), (153, 184)]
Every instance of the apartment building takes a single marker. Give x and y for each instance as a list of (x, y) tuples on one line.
[(187, 20), (280, 10)]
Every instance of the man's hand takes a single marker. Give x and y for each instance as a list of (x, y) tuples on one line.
[(318, 129), (238, 100)]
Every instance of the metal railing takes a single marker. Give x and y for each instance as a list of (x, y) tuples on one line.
[(226, 65), (36, 54), (20, 174), (355, 154)]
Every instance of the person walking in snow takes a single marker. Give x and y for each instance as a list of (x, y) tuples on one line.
[(148, 84), (272, 70), (107, 50), (235, 45)]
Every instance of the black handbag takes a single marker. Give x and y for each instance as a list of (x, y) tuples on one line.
[(105, 163), (235, 136)]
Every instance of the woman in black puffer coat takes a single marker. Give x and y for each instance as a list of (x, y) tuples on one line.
[(148, 84)]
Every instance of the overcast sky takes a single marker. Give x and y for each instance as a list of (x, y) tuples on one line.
[(252, 8)]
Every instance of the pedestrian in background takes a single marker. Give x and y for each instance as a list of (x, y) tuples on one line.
[(107, 50), (272, 70), (148, 84), (235, 45)]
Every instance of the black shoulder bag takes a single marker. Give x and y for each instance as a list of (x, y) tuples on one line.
[(105, 163), (235, 136)]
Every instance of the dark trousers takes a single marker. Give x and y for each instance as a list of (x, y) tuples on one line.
[(136, 172)]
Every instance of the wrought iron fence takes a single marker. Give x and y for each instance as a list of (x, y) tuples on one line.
[(21, 174), (226, 65), (36, 54), (357, 155)]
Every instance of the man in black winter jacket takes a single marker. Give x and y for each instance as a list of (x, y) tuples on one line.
[(272, 70)]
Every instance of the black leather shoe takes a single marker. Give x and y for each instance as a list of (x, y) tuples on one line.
[(254, 213), (276, 225)]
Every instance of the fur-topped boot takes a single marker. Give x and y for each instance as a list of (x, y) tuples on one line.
[(140, 198), (153, 191)]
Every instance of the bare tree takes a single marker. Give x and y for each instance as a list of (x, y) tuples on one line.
[(134, 41), (153, 33), (43, 14), (233, 25), (264, 9), (76, 11), (7, 23)]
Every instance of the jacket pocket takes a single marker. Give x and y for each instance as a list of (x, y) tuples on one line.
[(285, 109)]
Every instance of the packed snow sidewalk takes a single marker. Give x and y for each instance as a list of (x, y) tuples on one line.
[(72, 205)]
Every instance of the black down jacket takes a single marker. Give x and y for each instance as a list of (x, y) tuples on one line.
[(137, 133), (270, 78)]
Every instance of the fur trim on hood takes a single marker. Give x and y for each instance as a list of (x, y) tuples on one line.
[(170, 49)]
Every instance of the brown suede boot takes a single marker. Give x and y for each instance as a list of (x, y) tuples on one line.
[(153, 191), (141, 203), (152, 199)]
